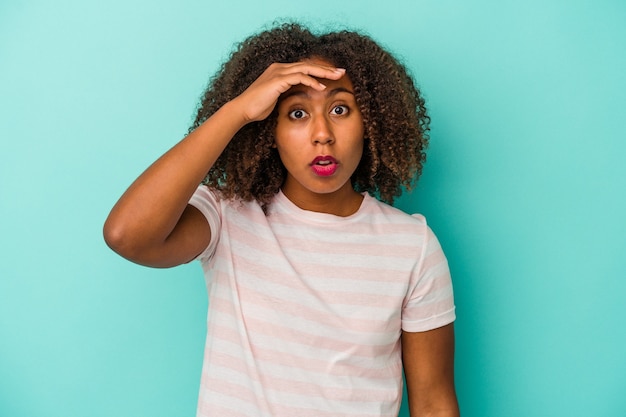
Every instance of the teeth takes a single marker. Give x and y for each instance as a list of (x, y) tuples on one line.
[(324, 163)]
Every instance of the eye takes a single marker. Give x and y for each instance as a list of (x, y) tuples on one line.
[(339, 110), (297, 114)]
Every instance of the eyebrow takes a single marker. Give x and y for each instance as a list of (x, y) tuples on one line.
[(302, 93)]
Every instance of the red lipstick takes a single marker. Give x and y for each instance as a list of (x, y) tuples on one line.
[(324, 165)]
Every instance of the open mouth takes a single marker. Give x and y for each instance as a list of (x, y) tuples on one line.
[(324, 165)]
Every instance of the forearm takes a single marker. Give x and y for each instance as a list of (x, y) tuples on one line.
[(434, 401), (447, 409), (447, 413), (149, 210), (428, 360)]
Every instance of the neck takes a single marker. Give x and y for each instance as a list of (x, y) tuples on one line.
[(343, 202)]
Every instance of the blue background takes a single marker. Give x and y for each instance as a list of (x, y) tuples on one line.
[(524, 186)]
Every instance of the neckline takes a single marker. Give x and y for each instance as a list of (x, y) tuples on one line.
[(307, 215)]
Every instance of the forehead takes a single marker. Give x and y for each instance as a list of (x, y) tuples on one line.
[(319, 61), (334, 89)]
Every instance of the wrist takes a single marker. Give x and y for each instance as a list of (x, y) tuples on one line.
[(235, 111)]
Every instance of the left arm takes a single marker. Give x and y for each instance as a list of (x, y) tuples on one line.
[(428, 359)]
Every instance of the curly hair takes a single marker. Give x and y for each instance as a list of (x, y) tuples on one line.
[(394, 116)]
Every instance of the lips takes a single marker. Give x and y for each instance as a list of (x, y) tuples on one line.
[(324, 165)]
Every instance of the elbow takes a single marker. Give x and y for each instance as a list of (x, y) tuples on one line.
[(131, 242), (113, 236), (119, 238)]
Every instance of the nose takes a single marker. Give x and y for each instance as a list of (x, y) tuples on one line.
[(322, 133)]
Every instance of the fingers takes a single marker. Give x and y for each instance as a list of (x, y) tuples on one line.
[(317, 70), (262, 95), (310, 74)]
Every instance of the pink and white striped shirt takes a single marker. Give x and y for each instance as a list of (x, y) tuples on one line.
[(306, 309)]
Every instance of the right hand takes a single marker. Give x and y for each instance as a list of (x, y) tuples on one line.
[(260, 98)]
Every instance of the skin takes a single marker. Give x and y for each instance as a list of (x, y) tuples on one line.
[(428, 360), (153, 225), (313, 123)]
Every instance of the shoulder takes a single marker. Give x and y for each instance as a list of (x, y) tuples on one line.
[(393, 214), (206, 196), (396, 227), (219, 210)]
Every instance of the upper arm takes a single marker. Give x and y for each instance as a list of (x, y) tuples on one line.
[(428, 360), (189, 237)]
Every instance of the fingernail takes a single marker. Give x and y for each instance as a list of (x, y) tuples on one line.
[(340, 70), (322, 86)]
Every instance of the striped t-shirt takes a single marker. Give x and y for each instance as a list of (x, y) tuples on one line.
[(306, 309)]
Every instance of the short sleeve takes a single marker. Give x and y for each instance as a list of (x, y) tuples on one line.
[(430, 301), (204, 200)]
